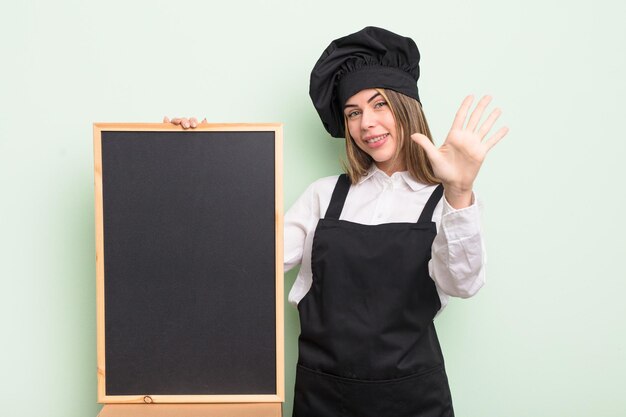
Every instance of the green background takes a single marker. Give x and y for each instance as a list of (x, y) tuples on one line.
[(545, 336)]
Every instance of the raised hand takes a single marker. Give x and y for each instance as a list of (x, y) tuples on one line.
[(457, 161), (186, 123)]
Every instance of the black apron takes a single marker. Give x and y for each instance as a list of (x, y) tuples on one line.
[(368, 345)]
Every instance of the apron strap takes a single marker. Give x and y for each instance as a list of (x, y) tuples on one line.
[(338, 198), (429, 208)]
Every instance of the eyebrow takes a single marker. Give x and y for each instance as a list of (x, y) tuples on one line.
[(369, 101)]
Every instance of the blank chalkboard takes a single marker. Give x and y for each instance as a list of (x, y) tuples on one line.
[(189, 263)]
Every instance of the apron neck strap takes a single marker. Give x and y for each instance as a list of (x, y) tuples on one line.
[(429, 208), (338, 198)]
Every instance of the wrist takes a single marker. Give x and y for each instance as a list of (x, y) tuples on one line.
[(458, 197)]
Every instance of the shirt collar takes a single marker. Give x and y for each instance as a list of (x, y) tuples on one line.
[(373, 171)]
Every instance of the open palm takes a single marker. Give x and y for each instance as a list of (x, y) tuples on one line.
[(457, 161)]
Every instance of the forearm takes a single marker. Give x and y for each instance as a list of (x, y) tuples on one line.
[(458, 257)]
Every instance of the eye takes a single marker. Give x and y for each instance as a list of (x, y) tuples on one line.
[(353, 114), (380, 104)]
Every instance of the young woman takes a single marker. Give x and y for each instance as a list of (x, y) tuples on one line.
[(382, 247)]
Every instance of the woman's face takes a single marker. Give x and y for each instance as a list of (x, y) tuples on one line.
[(373, 128)]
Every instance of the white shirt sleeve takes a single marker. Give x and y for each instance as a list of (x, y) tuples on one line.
[(295, 232), (458, 257), (297, 225)]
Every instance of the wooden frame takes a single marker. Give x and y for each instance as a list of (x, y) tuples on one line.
[(278, 398)]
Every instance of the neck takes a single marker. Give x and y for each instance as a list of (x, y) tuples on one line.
[(390, 167)]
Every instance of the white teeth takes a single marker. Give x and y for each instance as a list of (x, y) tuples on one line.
[(377, 138)]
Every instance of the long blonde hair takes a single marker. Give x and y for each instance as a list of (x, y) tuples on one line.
[(407, 113)]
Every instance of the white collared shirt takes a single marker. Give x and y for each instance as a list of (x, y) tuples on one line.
[(458, 257)]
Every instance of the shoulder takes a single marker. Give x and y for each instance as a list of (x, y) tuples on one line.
[(323, 186), (315, 198), (319, 192)]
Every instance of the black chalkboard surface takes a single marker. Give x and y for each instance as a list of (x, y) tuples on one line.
[(189, 263)]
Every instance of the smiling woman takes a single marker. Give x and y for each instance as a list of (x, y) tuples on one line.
[(380, 250)]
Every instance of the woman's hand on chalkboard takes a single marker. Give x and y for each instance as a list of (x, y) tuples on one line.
[(184, 122)]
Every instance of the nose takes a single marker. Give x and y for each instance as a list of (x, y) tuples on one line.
[(368, 119)]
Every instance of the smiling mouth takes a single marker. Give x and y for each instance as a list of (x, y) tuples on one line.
[(377, 138)]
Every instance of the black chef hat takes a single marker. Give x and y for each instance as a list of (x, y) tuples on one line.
[(370, 58)]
